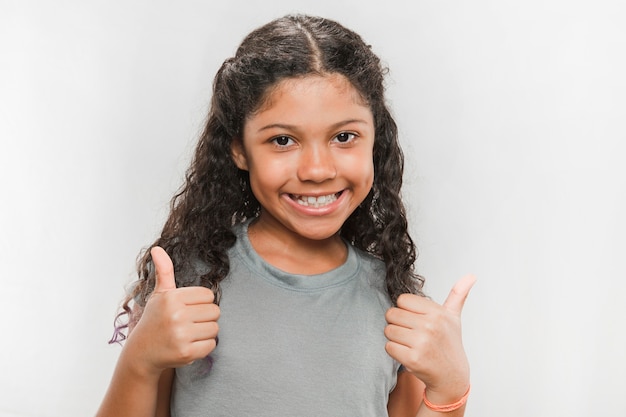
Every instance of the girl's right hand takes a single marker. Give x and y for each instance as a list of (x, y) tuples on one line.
[(177, 326)]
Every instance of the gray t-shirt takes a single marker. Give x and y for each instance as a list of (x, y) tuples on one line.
[(294, 345)]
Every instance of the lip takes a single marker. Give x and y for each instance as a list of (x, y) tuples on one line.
[(311, 210)]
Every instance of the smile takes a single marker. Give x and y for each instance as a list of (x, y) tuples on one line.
[(311, 201)]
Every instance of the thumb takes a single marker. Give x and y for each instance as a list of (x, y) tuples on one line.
[(458, 294), (164, 270)]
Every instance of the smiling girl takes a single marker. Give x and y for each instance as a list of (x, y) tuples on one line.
[(291, 221)]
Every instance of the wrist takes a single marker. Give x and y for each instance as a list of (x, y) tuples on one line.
[(448, 389), (135, 364), (445, 401)]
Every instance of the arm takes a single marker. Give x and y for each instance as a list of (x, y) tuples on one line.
[(426, 338), (132, 392), (177, 326), (165, 392), (406, 397), (406, 400)]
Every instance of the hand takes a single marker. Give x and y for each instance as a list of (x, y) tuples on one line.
[(178, 325), (425, 337)]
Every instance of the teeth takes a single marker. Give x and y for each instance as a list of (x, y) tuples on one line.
[(316, 202)]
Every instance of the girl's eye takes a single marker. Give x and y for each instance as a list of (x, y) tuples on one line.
[(282, 140), (345, 137)]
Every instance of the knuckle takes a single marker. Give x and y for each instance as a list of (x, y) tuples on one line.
[(431, 327), (388, 332), (206, 293), (212, 330), (210, 347), (185, 354), (168, 300), (176, 317), (178, 337), (413, 359), (212, 344), (215, 311), (166, 269), (403, 300), (390, 314)]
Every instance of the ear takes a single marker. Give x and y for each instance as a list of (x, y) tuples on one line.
[(238, 154)]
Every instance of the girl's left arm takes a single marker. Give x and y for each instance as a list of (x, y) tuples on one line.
[(406, 400), (406, 397), (425, 338)]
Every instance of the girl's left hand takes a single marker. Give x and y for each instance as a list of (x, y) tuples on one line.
[(426, 338)]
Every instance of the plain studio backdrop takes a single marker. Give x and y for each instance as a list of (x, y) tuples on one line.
[(511, 116)]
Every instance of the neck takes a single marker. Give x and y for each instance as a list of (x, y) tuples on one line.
[(295, 254)]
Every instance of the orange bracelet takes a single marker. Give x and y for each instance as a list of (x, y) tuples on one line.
[(448, 407)]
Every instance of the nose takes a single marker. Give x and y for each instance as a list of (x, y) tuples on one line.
[(316, 164)]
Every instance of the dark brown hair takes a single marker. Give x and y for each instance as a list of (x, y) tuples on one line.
[(216, 195)]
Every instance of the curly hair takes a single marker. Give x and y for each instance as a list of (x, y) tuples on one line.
[(201, 219)]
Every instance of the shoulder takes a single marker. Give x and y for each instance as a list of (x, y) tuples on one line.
[(372, 279), (371, 267)]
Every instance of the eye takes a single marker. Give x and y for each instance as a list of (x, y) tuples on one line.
[(345, 137), (282, 141)]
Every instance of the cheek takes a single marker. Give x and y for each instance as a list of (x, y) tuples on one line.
[(370, 175), (267, 175), (367, 177), (363, 170)]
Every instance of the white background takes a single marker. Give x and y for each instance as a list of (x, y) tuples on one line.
[(511, 117)]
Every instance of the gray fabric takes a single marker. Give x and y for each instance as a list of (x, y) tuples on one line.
[(294, 345)]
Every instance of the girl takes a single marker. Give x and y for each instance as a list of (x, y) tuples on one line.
[(290, 219)]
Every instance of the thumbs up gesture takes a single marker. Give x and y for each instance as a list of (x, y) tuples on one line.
[(425, 337), (178, 325)]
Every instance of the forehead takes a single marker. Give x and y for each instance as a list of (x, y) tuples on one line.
[(309, 85)]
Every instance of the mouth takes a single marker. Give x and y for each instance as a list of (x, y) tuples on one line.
[(315, 201)]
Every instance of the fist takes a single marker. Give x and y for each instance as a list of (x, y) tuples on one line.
[(426, 338), (178, 325)]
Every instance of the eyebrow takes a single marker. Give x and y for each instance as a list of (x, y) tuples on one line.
[(294, 127)]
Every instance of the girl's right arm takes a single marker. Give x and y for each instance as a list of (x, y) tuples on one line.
[(177, 326), (133, 394), (426, 338)]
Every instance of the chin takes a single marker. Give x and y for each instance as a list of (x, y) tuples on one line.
[(317, 233)]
